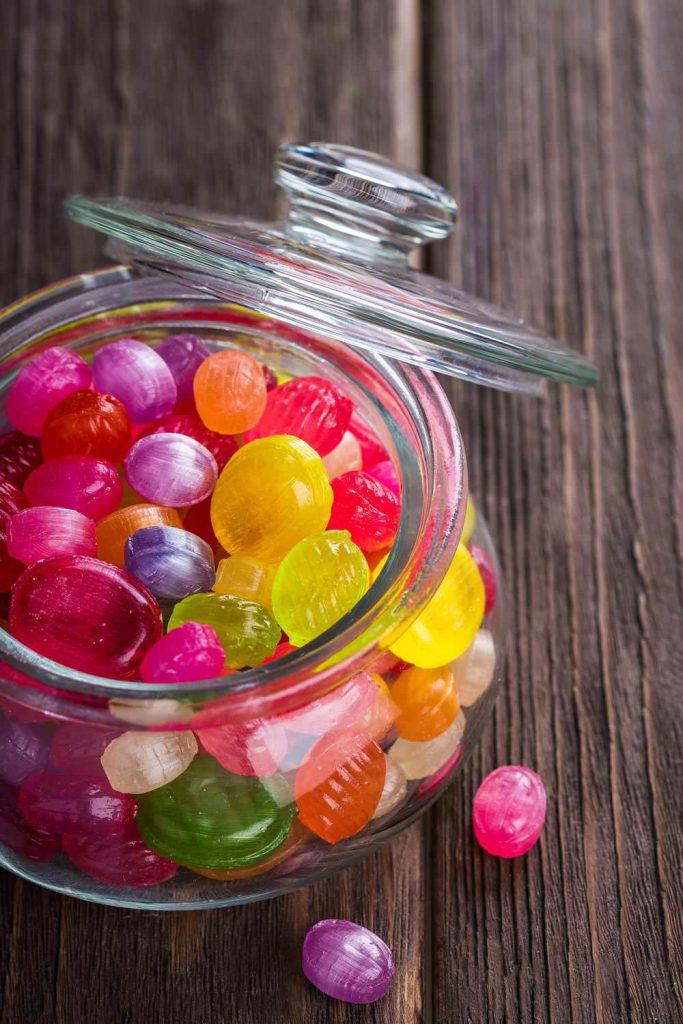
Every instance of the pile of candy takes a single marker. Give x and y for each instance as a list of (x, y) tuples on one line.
[(174, 514)]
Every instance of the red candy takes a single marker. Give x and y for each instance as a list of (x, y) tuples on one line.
[(11, 502), (88, 423), (86, 614), (122, 859), (82, 482), (250, 748), (19, 455), (366, 508), (75, 805), (488, 576), (76, 749), (221, 446), (310, 408), (371, 447)]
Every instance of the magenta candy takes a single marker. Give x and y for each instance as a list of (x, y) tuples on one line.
[(75, 805), (88, 485), (138, 377), (366, 508), (386, 474), (35, 844), (185, 655), (488, 576), (221, 446), (347, 962), (248, 748), (19, 455), (23, 751), (77, 749), (308, 407), (46, 531), (86, 614), (42, 384), (509, 811), (171, 469), (183, 353), (123, 859)]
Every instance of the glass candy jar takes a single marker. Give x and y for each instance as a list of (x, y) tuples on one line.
[(271, 777)]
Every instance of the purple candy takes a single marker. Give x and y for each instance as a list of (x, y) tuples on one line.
[(23, 751), (346, 961), (138, 377), (75, 805), (42, 384), (171, 469), (183, 353), (185, 655), (172, 563)]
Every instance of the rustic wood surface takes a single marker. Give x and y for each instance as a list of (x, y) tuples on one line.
[(558, 126)]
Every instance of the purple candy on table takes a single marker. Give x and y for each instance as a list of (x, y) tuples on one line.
[(138, 377), (88, 485), (46, 531), (346, 961), (75, 805), (42, 384), (23, 751), (171, 563), (76, 749), (190, 653), (183, 353), (171, 469)]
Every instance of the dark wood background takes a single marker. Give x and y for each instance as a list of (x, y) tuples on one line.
[(558, 126)]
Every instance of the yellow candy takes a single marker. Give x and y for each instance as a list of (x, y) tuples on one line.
[(445, 628), (273, 492), (245, 577), (470, 522), (320, 580)]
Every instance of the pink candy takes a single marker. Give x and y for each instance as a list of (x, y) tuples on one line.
[(250, 748), (138, 377), (42, 384), (75, 805), (88, 485), (45, 531), (187, 654), (386, 474), (310, 408), (122, 859), (509, 811)]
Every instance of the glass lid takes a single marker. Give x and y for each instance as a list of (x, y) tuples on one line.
[(338, 266)]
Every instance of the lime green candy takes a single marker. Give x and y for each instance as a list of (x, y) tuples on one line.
[(247, 630), (321, 579), (209, 818)]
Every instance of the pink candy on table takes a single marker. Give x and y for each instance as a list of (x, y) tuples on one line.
[(171, 469), (75, 805), (386, 474), (488, 576), (136, 375), (190, 653), (121, 859), (46, 531), (183, 353), (509, 811), (310, 408), (366, 508), (81, 482), (41, 384), (249, 748)]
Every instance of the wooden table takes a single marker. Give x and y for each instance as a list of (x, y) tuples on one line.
[(558, 126)]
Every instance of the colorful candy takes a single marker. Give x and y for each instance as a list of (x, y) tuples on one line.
[(419, 760), (133, 372), (230, 392), (114, 530), (75, 805), (347, 962), (11, 501), (171, 469), (221, 446), (43, 383), (190, 653), (245, 577), (88, 423), (247, 630), (310, 408), (183, 354), (44, 532), (474, 670), (385, 473), (35, 844), (139, 762), (367, 509), (19, 455), (171, 563), (372, 449), (317, 582), (427, 702), (122, 859), (509, 811), (88, 485)]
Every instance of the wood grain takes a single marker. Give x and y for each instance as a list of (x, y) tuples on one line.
[(558, 128)]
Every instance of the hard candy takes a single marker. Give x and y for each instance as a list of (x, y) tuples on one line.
[(139, 762), (122, 859), (221, 446), (11, 502), (310, 408), (19, 455), (46, 531), (372, 449), (170, 562), (41, 384), (420, 759), (427, 702), (474, 670), (23, 751), (249, 748), (114, 530), (366, 508), (247, 630), (395, 790), (76, 748), (385, 473), (246, 577), (75, 805), (133, 372), (190, 653), (171, 470), (35, 844), (183, 354), (347, 962), (345, 458), (294, 841), (88, 485), (487, 571), (509, 811), (230, 391), (88, 423)]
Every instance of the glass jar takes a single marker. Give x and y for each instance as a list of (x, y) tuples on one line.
[(289, 771)]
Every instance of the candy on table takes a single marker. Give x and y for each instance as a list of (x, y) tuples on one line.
[(35, 844), (247, 630), (386, 474), (210, 818), (185, 655), (318, 581), (295, 839), (133, 372), (88, 485), (230, 392), (257, 747), (183, 354), (46, 531), (139, 762), (151, 714), (347, 962), (422, 759), (245, 577), (76, 748), (487, 572), (366, 508), (372, 449), (114, 530), (24, 749), (73, 804), (341, 707), (86, 614), (469, 523), (427, 701), (41, 384), (339, 784), (395, 789), (198, 521), (221, 446), (310, 408), (19, 455), (11, 501), (271, 494), (446, 626), (509, 811), (345, 458), (121, 859), (171, 562), (171, 469), (88, 423), (474, 670)]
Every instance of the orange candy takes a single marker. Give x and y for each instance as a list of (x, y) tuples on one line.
[(339, 784), (114, 530), (230, 392), (296, 837), (427, 702)]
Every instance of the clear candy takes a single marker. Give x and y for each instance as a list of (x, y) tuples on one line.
[(246, 577), (427, 702), (230, 392), (247, 630), (345, 458), (419, 760), (122, 859), (367, 509), (395, 790), (138, 762), (75, 805), (474, 670), (310, 408)]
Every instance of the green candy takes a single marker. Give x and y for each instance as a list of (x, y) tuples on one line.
[(210, 818), (247, 630)]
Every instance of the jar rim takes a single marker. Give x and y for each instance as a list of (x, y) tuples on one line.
[(406, 582)]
